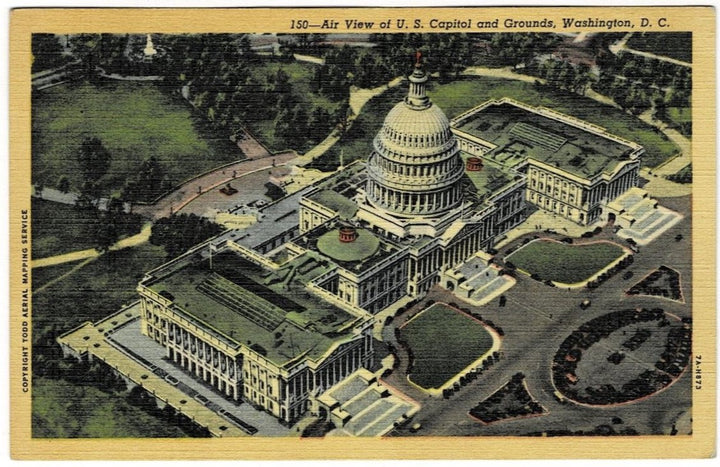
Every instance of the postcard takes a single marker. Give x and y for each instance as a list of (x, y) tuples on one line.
[(362, 233)]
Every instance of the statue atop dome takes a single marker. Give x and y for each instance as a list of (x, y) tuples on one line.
[(417, 99)]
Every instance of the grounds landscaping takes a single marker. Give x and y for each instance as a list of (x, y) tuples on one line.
[(442, 341), (88, 294), (133, 120), (564, 263), (453, 98), (510, 401), (677, 45), (638, 353), (60, 228)]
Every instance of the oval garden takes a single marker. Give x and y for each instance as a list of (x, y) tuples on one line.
[(622, 356)]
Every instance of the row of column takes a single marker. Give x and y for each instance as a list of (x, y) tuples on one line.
[(622, 184), (415, 202), (409, 170)]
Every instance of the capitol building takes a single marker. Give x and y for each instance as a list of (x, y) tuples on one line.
[(281, 312)]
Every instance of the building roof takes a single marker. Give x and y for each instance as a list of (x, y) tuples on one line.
[(357, 260), (489, 179), (269, 312), (365, 245), (522, 134), (345, 207)]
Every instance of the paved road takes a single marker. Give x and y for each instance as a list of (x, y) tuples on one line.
[(536, 320), (190, 190)]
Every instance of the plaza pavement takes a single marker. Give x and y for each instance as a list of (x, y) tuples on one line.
[(129, 336), (536, 320)]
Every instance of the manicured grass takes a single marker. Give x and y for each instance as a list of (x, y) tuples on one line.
[(677, 45), (560, 262), (61, 408), (60, 228), (444, 341), (459, 96), (133, 120), (462, 95), (66, 410), (94, 291), (301, 76), (681, 118), (41, 276)]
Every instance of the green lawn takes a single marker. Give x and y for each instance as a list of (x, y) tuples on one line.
[(444, 342), (133, 120), (560, 262), (66, 410), (94, 291), (681, 118), (459, 96), (60, 228), (41, 276), (677, 45)]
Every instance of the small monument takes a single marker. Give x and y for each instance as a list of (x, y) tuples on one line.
[(149, 50)]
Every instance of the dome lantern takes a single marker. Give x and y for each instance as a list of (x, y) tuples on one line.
[(416, 93)]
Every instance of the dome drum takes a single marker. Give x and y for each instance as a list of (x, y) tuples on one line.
[(419, 203)]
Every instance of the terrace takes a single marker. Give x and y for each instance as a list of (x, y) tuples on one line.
[(520, 134), (270, 312)]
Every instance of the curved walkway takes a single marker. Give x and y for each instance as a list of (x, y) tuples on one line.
[(191, 189), (90, 253)]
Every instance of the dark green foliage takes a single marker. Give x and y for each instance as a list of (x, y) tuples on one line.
[(94, 161), (150, 181), (47, 53), (180, 232)]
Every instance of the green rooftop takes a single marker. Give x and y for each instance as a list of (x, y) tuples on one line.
[(488, 180), (364, 246), (520, 134), (335, 201), (269, 312)]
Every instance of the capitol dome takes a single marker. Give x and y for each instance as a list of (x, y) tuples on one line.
[(415, 167)]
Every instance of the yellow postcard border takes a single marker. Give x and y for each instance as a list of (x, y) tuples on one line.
[(700, 20)]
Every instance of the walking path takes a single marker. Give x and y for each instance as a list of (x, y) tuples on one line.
[(358, 99), (128, 242), (621, 46), (70, 198)]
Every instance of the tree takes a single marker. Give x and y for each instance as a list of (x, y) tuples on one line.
[(94, 159), (180, 232), (63, 184), (150, 181)]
